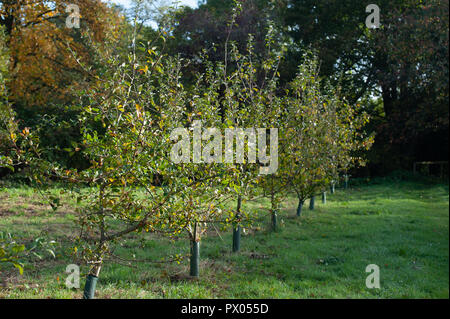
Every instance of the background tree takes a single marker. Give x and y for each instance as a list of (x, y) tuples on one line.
[(412, 71), (207, 26), (41, 46), (396, 62), (44, 70)]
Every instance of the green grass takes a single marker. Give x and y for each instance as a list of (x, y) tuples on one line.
[(403, 227)]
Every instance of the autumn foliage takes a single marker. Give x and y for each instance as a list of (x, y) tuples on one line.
[(44, 53)]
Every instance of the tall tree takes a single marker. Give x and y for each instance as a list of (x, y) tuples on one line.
[(207, 28), (405, 62), (44, 50), (412, 52)]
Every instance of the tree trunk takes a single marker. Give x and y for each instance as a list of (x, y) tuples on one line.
[(324, 197), (195, 258), (311, 202), (274, 213), (274, 220), (299, 207), (332, 188), (91, 282), (195, 253), (237, 228), (389, 94)]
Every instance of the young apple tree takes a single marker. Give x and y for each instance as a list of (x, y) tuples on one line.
[(323, 133)]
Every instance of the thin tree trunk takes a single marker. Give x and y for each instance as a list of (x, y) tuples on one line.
[(195, 253), (311, 202), (92, 278), (274, 214), (274, 220), (91, 281), (299, 207), (237, 228)]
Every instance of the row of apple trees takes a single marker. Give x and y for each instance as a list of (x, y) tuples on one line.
[(138, 117)]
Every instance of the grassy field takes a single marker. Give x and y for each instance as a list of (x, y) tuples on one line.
[(403, 227)]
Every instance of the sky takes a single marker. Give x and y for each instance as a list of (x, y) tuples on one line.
[(191, 3)]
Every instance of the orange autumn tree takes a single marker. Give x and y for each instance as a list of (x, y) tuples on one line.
[(42, 48)]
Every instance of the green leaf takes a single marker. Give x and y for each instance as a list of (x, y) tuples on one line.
[(19, 266)]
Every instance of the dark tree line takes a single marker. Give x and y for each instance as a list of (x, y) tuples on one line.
[(399, 71)]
